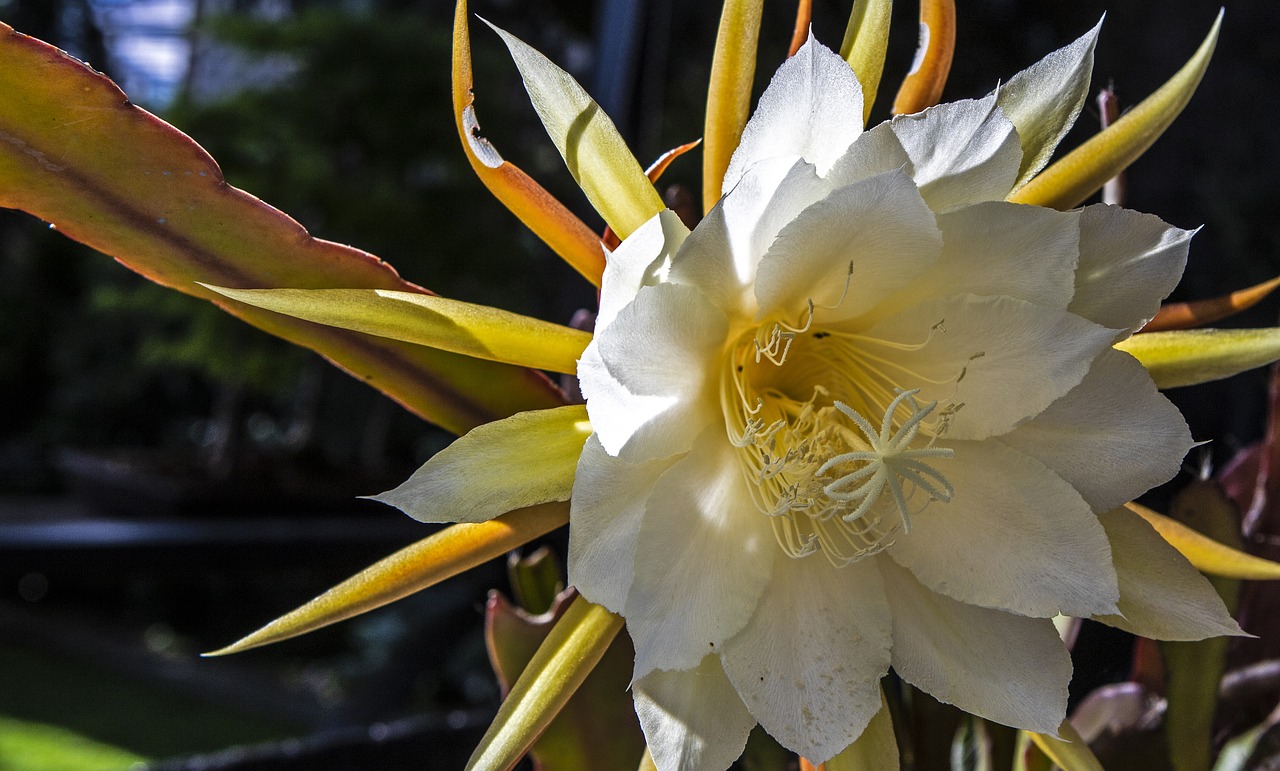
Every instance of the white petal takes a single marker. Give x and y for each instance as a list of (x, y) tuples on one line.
[(1014, 537), (1004, 359), (721, 255), (811, 109), (809, 663), (962, 152), (621, 418), (999, 248), (665, 341), (703, 556), (1113, 437), (609, 496), (1044, 99), (1129, 262), (1161, 595), (1000, 666), (664, 346), (692, 720), (874, 152), (640, 260), (873, 237)]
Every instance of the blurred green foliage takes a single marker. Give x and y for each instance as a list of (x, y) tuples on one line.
[(37, 747)]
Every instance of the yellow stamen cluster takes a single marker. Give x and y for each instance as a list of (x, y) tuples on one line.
[(828, 479)]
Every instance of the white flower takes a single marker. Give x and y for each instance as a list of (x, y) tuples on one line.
[(868, 414)]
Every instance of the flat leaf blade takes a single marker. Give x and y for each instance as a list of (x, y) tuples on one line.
[(74, 152)]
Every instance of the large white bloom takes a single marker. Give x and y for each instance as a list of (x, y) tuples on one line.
[(868, 414)]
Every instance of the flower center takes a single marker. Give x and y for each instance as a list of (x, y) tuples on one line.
[(802, 405)]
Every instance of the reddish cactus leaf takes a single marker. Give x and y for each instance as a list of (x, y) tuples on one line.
[(75, 153)]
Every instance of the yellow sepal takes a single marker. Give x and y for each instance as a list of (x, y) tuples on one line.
[(1192, 356), (1084, 171), (733, 68), (866, 39), (445, 554), (437, 322), (562, 662)]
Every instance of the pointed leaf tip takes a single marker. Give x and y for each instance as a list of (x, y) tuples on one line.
[(1204, 553), (524, 460), (1186, 315), (1044, 100), (445, 554), (474, 330)]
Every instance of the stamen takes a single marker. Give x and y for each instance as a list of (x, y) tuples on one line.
[(846, 488)]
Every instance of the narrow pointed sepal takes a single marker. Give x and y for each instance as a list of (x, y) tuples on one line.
[(922, 87), (733, 68), (1197, 313), (562, 662), (443, 555), (558, 227), (1083, 171), (437, 322), (597, 156), (866, 39), (1204, 553), (1193, 356), (526, 459)]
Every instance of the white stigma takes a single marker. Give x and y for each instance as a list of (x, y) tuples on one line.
[(889, 460)]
